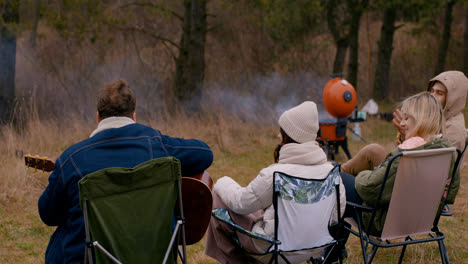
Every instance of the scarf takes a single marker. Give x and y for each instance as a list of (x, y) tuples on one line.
[(308, 153)]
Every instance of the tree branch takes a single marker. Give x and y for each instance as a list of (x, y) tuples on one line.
[(149, 33), (155, 6)]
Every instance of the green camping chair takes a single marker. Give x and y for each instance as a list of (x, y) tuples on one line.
[(129, 213)]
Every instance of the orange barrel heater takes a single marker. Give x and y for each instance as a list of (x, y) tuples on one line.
[(332, 129), (339, 99)]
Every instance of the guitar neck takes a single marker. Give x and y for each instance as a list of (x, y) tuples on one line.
[(44, 164)]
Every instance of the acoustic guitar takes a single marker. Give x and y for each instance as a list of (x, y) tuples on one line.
[(196, 198)]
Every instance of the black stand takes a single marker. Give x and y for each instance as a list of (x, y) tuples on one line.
[(331, 147)]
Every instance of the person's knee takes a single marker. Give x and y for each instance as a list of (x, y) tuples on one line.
[(373, 150)]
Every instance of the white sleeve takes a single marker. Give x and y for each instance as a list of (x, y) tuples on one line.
[(245, 200)]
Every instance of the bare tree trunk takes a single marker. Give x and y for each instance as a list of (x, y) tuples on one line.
[(35, 23), (340, 57), (465, 44), (8, 60), (353, 64), (445, 40), (382, 72), (190, 64), (181, 79), (339, 36)]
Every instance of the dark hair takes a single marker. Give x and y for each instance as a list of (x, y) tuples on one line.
[(116, 99), (285, 140)]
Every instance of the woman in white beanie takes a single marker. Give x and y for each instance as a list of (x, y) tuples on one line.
[(251, 207)]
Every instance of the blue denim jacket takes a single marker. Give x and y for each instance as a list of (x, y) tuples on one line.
[(127, 147)]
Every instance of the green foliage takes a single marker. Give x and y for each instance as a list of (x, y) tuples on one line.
[(79, 19), (9, 15), (286, 20)]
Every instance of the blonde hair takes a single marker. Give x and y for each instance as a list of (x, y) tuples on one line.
[(427, 113)]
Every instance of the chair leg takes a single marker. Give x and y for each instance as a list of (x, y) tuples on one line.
[(274, 258), (284, 258), (88, 256), (372, 254), (181, 255), (103, 250), (364, 250), (364, 244), (443, 252), (340, 256), (402, 254), (184, 248), (173, 240)]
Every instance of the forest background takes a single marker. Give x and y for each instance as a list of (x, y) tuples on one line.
[(218, 70), (244, 57)]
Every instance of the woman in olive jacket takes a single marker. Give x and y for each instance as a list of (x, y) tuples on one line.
[(423, 124)]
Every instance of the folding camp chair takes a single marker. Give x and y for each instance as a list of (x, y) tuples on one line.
[(129, 213), (298, 204), (414, 208)]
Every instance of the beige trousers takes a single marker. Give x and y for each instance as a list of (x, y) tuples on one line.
[(367, 158), (219, 244)]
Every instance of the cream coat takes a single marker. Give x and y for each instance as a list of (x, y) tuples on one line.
[(306, 160)]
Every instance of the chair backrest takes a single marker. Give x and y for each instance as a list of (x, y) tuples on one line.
[(303, 210), (419, 185), (130, 211)]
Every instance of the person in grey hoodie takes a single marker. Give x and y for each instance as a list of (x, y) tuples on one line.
[(450, 88)]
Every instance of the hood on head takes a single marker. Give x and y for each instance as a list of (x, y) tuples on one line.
[(457, 87)]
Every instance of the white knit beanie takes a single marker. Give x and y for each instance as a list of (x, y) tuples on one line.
[(301, 122)]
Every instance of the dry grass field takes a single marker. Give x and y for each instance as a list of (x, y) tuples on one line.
[(241, 150)]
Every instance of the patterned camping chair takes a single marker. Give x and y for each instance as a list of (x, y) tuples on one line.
[(303, 208)]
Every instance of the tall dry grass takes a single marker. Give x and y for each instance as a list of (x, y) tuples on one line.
[(51, 137)]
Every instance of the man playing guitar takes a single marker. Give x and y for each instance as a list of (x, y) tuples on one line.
[(117, 142)]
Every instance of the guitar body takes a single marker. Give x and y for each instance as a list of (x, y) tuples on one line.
[(196, 198), (198, 203)]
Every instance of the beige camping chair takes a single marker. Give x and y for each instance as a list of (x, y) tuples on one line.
[(418, 194)]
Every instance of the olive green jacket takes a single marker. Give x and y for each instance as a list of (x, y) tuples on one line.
[(369, 182)]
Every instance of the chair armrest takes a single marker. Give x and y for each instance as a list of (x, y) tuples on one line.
[(360, 207), (222, 214)]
